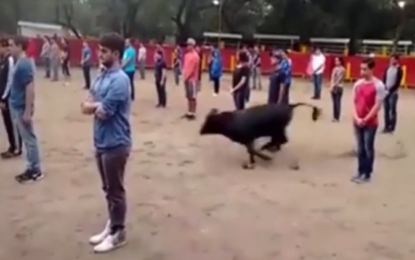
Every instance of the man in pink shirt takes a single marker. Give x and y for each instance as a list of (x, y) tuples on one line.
[(368, 95), (191, 77)]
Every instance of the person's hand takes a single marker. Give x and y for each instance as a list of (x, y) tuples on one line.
[(3, 105), (360, 121), (27, 117)]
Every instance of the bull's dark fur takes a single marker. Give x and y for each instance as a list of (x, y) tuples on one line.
[(245, 126)]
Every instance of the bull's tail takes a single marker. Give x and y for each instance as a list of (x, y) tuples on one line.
[(316, 112)]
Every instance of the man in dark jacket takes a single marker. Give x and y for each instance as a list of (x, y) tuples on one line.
[(392, 79), (6, 72)]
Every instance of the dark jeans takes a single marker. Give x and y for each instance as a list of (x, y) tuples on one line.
[(161, 92), (130, 75), (111, 166), (365, 139), (317, 84), (336, 97), (87, 76), (65, 69), (247, 94), (216, 84), (47, 64), (15, 141), (390, 109), (274, 91), (239, 98)]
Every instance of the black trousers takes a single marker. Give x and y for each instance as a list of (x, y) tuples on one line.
[(161, 93), (65, 68), (15, 140), (130, 75), (216, 84), (87, 76)]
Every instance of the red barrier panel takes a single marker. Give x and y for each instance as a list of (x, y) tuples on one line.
[(300, 61)]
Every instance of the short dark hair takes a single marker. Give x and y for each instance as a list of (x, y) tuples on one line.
[(341, 60), (114, 42), (395, 56), (4, 42), (22, 41), (369, 62), (243, 56)]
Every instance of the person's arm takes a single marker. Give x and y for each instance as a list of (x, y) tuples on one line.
[(399, 75), (126, 59), (10, 66), (354, 93), (380, 96), (163, 73), (118, 92), (27, 78)]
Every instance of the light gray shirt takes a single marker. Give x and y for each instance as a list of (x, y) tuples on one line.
[(337, 76), (391, 76)]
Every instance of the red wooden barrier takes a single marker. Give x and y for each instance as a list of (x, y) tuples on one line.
[(300, 61)]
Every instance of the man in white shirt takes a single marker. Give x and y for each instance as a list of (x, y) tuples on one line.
[(318, 62), (142, 58)]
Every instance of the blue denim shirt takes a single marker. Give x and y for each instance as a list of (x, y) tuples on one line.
[(22, 77), (285, 69), (112, 89)]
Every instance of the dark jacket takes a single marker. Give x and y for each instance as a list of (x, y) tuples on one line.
[(397, 85), (6, 71)]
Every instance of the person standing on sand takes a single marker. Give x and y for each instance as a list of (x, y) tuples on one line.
[(191, 75), (109, 103), (55, 57), (22, 107), (368, 96)]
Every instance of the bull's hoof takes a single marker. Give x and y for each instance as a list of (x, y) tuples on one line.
[(248, 166)]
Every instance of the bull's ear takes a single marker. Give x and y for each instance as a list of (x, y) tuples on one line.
[(213, 111)]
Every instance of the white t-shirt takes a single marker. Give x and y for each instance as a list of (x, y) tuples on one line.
[(142, 53), (318, 61)]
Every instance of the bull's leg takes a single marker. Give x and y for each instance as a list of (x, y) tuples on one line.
[(252, 153)]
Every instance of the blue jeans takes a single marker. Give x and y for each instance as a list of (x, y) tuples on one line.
[(317, 83), (29, 139), (365, 139), (390, 110)]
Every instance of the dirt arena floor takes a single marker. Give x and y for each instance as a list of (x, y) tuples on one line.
[(189, 199)]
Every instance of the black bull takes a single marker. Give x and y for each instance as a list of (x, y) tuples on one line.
[(245, 126)]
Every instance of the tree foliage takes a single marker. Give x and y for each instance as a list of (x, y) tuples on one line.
[(380, 19)]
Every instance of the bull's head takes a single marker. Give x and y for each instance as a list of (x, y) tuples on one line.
[(215, 122)]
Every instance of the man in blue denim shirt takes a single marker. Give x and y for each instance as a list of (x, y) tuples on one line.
[(110, 103), (285, 74), (22, 104)]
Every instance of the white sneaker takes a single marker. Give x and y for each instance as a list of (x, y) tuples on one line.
[(111, 242), (94, 240)]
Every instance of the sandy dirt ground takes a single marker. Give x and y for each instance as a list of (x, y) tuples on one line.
[(189, 199)]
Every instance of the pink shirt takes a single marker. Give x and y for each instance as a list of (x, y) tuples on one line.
[(191, 66)]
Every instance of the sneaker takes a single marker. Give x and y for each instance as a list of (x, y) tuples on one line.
[(111, 242), (97, 239), (10, 154), (29, 176), (357, 178)]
